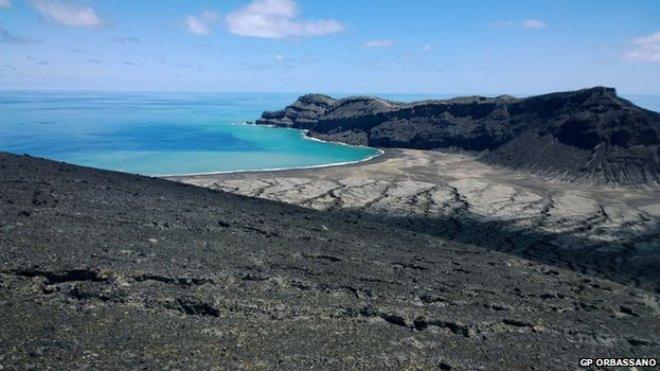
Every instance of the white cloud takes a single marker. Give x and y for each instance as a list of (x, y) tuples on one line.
[(201, 24), (276, 19), (533, 23), (67, 14), (426, 48), (279, 57), (646, 49), (653, 38), (382, 43), (5, 3)]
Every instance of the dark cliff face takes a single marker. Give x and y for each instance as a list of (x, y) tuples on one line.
[(589, 134)]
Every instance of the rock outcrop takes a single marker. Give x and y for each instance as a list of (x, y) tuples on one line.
[(589, 135)]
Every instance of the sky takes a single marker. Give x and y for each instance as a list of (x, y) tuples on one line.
[(365, 46)]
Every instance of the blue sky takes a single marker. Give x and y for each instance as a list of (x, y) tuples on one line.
[(366, 46)]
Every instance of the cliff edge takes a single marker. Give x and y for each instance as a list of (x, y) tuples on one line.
[(589, 135)]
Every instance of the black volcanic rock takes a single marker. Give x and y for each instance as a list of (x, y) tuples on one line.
[(589, 135), (112, 270)]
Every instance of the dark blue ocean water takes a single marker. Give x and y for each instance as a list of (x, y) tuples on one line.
[(170, 133)]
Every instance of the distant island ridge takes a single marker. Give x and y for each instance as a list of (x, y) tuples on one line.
[(177, 133), (589, 135)]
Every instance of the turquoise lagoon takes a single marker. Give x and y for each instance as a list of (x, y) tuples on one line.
[(161, 133)]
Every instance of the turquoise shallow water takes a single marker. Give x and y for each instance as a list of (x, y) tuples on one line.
[(160, 133), (171, 133)]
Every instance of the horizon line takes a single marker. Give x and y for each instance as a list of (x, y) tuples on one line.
[(371, 93)]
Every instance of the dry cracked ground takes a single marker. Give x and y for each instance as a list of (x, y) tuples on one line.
[(610, 232)]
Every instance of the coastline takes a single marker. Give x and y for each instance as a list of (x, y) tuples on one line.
[(304, 134), (381, 155)]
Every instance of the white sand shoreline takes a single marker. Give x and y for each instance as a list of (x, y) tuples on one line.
[(303, 132), (243, 171)]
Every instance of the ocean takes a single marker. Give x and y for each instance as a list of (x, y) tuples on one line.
[(161, 133), (170, 133)]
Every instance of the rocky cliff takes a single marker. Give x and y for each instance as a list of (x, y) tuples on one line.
[(587, 135)]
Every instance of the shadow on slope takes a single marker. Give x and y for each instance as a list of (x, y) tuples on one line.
[(623, 262)]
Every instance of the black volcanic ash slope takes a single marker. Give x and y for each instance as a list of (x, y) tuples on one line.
[(591, 135), (106, 270)]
